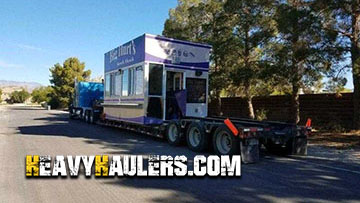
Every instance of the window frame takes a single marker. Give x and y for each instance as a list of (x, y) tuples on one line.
[(162, 80), (205, 91), (108, 84), (139, 69)]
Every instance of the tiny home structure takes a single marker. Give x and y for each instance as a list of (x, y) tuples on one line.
[(159, 86), (153, 79)]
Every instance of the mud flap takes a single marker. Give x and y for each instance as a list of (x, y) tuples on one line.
[(299, 145), (249, 149)]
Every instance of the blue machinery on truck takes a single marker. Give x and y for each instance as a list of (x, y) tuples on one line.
[(159, 86)]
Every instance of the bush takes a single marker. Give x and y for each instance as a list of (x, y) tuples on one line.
[(41, 94), (18, 96), (54, 103)]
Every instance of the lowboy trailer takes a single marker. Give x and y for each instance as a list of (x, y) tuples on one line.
[(159, 86)]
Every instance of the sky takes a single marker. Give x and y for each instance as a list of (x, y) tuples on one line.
[(35, 35)]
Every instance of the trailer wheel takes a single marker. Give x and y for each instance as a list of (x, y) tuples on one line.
[(91, 117), (173, 133), (224, 142), (87, 116), (196, 138), (71, 114)]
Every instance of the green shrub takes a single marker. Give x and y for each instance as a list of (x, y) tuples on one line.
[(18, 96)]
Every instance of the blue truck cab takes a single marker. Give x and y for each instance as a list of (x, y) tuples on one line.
[(87, 99)]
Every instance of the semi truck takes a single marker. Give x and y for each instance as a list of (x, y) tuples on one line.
[(159, 86), (86, 101)]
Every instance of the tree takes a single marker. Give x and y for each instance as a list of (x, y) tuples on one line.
[(303, 50), (237, 31), (63, 79), (343, 17), (203, 21), (179, 23), (251, 29), (0, 95), (19, 96), (41, 94)]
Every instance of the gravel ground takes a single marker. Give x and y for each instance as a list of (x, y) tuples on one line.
[(342, 155)]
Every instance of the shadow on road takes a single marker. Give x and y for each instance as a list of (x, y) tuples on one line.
[(272, 179)]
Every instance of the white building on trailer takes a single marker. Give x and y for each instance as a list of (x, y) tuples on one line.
[(152, 79)]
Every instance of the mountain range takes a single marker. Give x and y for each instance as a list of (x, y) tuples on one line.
[(29, 86)]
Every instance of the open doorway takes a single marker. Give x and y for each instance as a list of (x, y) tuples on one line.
[(174, 91), (155, 98)]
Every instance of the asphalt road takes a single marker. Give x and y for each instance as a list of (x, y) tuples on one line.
[(29, 131)]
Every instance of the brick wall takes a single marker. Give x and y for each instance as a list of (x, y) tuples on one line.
[(323, 109)]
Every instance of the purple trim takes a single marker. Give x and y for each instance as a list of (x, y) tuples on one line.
[(185, 68), (111, 100), (133, 99), (181, 100), (138, 120), (150, 57), (152, 121), (178, 41)]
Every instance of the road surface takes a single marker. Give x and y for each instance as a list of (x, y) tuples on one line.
[(30, 131)]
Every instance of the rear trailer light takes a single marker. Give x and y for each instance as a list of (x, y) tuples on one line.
[(249, 132)]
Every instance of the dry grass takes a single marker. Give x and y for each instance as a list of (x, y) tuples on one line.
[(336, 140)]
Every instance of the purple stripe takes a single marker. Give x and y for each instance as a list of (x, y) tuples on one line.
[(178, 41), (111, 100), (134, 99), (139, 120), (150, 57), (185, 68)]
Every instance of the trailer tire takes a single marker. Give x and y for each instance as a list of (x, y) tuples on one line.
[(196, 137), (173, 133), (71, 116), (87, 117), (91, 117), (224, 142)]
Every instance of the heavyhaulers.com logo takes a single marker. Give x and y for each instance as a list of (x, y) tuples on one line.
[(131, 165)]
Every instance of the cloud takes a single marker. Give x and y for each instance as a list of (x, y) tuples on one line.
[(4, 64), (29, 47)]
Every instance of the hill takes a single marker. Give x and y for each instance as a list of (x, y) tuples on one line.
[(8, 87)]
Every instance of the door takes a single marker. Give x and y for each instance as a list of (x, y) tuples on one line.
[(155, 108), (175, 96)]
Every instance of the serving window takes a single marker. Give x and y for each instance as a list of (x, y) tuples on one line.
[(125, 82)]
